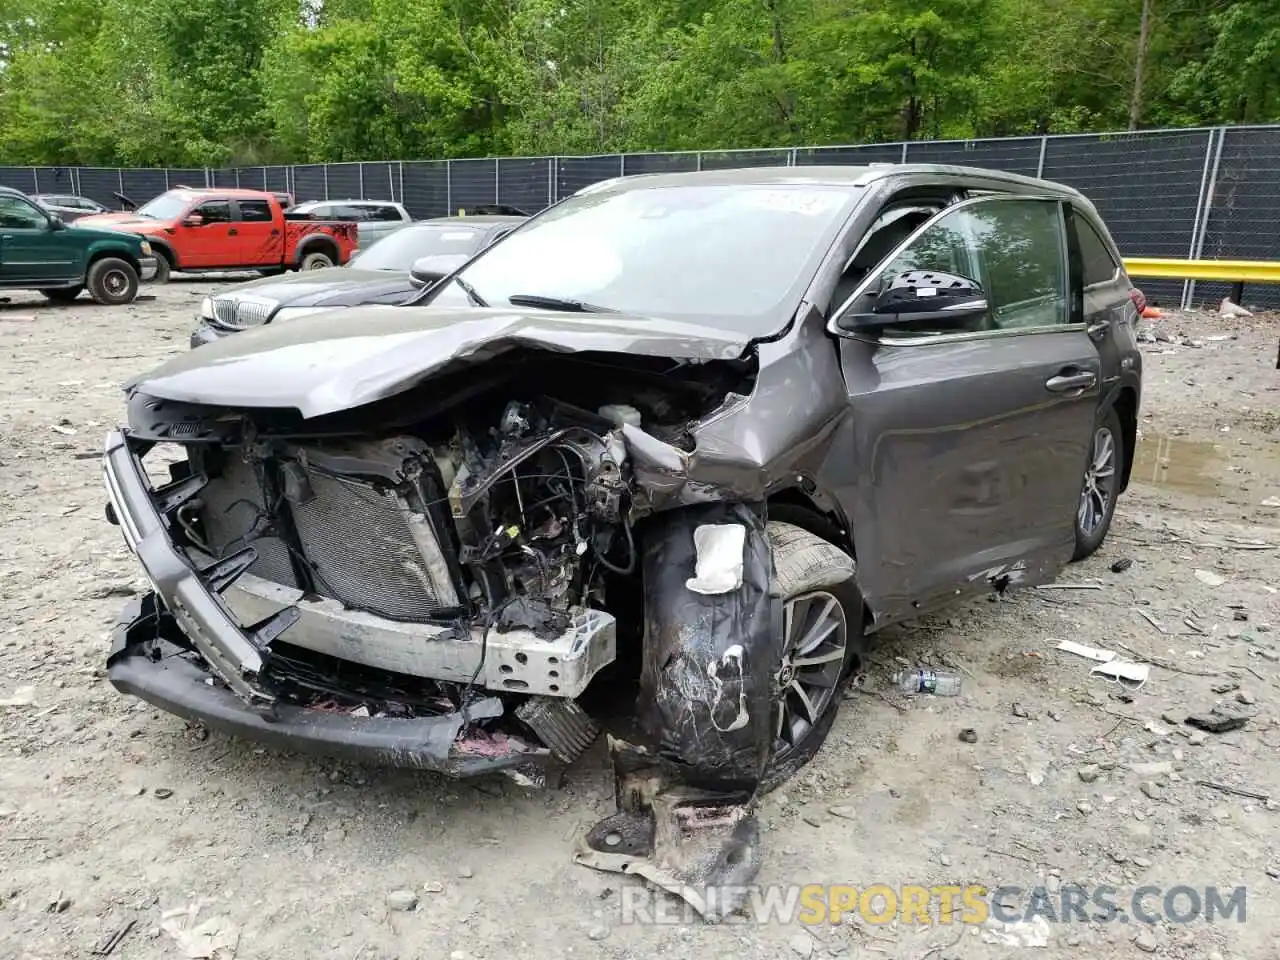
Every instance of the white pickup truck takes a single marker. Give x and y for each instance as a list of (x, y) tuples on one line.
[(374, 219)]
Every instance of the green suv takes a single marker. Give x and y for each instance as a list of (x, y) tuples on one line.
[(40, 252)]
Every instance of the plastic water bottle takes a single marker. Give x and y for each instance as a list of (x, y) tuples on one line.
[(937, 682)]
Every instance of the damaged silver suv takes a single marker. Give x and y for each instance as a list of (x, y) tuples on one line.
[(645, 436)]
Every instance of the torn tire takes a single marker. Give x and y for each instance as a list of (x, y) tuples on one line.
[(716, 666)]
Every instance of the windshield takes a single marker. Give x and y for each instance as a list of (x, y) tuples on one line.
[(733, 255), (398, 251), (164, 207)]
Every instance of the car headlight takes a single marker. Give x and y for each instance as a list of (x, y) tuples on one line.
[(206, 308), (293, 313), (146, 249)]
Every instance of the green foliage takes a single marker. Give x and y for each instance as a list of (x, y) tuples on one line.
[(213, 82)]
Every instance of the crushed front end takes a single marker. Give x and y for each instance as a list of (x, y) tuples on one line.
[(370, 598), (423, 583)]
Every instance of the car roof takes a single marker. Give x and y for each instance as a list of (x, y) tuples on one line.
[(850, 176), (479, 219), (307, 203), (230, 192)]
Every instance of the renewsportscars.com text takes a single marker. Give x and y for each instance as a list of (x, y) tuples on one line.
[(927, 905)]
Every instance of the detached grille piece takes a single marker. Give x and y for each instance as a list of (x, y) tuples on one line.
[(233, 503), (371, 551)]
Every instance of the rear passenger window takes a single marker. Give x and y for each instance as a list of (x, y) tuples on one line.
[(255, 211), (1097, 263)]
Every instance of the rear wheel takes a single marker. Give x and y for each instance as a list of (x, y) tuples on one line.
[(1101, 486), (112, 281), (316, 261), (63, 294)]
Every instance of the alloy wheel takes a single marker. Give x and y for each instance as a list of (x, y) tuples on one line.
[(1099, 483), (815, 645)]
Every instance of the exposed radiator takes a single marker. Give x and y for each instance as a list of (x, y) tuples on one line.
[(233, 502), (366, 544), (362, 543)]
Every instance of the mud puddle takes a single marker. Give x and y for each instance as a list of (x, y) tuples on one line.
[(1205, 468), (1188, 465)]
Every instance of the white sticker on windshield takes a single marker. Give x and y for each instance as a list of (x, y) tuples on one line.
[(809, 203), (457, 235)]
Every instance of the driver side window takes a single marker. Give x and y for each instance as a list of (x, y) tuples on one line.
[(17, 214), (1013, 249), (216, 211)]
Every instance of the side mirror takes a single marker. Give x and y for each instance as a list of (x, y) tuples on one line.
[(921, 296), (56, 223), (428, 271), (193, 220), (424, 274)]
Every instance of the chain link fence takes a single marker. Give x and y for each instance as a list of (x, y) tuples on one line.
[(1211, 192)]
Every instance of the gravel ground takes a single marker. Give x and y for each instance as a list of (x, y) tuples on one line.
[(113, 814)]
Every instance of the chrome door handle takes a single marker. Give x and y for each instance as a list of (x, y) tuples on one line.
[(1065, 383)]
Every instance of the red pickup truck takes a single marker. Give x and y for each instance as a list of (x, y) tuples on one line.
[(196, 230)]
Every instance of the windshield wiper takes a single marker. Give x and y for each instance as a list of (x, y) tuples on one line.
[(470, 291), (556, 303)]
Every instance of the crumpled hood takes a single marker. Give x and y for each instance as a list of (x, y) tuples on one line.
[(338, 286), (337, 360)]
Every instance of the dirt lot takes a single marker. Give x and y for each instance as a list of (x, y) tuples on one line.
[(112, 813)]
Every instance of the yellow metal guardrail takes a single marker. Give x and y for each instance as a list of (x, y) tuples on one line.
[(1251, 271)]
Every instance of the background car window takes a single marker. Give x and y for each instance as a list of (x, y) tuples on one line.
[(401, 248), (167, 206), (387, 214), (218, 211), (1098, 264), (17, 214), (255, 211), (1013, 248)]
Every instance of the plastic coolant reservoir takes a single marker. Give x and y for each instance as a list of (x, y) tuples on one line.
[(620, 413)]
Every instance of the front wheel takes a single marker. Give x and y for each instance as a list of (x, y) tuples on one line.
[(112, 281), (823, 642), (163, 269), (1101, 486)]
